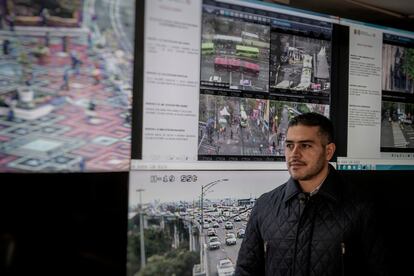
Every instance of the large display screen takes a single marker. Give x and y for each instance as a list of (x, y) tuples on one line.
[(223, 78), (66, 73), (187, 222), (380, 99)]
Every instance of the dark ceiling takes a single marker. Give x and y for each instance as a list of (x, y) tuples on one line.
[(392, 13)]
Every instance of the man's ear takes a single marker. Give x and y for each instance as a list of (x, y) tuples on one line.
[(330, 150)]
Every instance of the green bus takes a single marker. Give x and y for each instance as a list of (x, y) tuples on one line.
[(207, 48), (246, 51)]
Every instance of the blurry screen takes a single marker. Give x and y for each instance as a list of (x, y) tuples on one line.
[(66, 70)]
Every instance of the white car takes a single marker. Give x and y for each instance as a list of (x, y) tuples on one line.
[(228, 225), (230, 239), (211, 232), (241, 233), (225, 267), (214, 243)]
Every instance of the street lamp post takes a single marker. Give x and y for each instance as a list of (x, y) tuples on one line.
[(204, 189), (141, 228)]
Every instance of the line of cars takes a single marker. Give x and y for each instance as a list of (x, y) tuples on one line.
[(230, 238)]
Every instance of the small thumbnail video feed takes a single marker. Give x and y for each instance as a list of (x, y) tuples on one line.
[(397, 126), (398, 68), (233, 126), (234, 54), (280, 114), (300, 63)]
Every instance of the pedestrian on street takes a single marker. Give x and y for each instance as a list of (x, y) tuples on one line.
[(65, 43), (66, 75), (82, 164), (315, 223), (90, 43), (44, 15), (11, 20), (6, 47), (47, 39), (96, 74), (76, 62), (10, 114)]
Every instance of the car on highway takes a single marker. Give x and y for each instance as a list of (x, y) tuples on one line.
[(225, 267), (241, 233), (214, 243), (230, 239), (228, 225), (211, 232)]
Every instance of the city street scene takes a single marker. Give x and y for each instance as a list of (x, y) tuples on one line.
[(233, 126), (234, 53), (191, 223), (66, 71), (397, 125), (280, 114), (300, 63), (397, 68)]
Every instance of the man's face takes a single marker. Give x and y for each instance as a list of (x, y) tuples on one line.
[(307, 152)]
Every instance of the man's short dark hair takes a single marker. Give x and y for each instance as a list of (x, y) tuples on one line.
[(315, 119)]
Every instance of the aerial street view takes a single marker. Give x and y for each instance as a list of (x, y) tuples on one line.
[(300, 63), (191, 223), (235, 53), (66, 71)]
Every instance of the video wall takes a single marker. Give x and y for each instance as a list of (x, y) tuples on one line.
[(66, 78), (221, 80), (249, 68)]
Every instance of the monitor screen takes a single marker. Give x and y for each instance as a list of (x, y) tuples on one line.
[(223, 78), (66, 73), (380, 98), (174, 216)]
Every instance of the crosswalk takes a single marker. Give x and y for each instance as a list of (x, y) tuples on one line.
[(399, 139)]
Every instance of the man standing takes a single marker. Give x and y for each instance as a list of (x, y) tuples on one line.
[(314, 224)]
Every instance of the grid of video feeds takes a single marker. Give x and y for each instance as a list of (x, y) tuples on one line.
[(191, 223), (258, 70), (66, 71), (397, 132)]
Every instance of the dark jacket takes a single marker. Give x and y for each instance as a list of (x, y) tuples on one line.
[(332, 232)]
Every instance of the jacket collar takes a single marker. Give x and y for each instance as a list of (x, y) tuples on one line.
[(329, 188)]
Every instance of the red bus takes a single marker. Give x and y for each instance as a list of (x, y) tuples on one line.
[(227, 63), (251, 67)]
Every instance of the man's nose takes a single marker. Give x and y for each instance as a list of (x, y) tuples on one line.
[(296, 150)]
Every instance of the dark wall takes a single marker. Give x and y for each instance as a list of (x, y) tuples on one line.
[(393, 193), (63, 224)]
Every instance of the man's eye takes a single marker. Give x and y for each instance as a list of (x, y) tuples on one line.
[(289, 146), (305, 146)]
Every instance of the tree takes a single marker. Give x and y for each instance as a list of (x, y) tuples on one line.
[(176, 262), (409, 63), (157, 242)]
